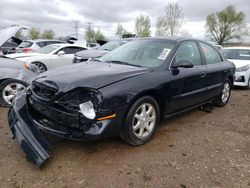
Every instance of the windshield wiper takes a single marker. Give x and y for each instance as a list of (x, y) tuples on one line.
[(123, 63)]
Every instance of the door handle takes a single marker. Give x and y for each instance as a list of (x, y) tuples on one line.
[(204, 75)]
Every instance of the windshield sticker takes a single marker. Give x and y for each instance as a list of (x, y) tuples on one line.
[(164, 53)]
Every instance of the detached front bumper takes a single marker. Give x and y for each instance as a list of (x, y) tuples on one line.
[(34, 144)]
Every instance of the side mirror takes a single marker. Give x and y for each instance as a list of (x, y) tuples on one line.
[(183, 64), (60, 53)]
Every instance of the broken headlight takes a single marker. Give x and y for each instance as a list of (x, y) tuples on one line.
[(84, 100)]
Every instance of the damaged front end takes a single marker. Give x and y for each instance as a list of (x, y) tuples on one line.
[(32, 141), (74, 115)]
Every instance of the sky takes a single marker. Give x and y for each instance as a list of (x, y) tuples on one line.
[(61, 15)]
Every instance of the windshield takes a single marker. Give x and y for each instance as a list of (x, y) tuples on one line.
[(25, 44), (112, 45), (144, 53), (240, 54), (48, 49)]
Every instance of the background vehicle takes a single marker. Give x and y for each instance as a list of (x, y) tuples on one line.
[(14, 77), (93, 45), (33, 45), (8, 41), (50, 57), (96, 53), (126, 94), (240, 56)]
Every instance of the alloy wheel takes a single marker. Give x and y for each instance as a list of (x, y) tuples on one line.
[(225, 93), (144, 120), (10, 91)]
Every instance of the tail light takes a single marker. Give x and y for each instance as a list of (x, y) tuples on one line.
[(27, 50)]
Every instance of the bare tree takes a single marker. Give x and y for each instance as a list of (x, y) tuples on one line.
[(170, 22), (48, 34), (142, 26), (120, 31), (226, 24), (34, 33)]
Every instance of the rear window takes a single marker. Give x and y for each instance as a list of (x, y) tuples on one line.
[(25, 44)]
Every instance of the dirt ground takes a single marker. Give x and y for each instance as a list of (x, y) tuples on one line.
[(196, 149)]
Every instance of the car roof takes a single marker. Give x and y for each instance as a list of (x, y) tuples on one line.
[(238, 47), (43, 40), (67, 45)]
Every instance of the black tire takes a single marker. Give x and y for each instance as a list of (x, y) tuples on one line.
[(248, 86), (3, 85), (219, 102), (41, 67), (128, 134)]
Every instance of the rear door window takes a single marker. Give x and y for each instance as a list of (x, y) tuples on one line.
[(211, 55)]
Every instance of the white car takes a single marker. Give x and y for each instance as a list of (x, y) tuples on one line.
[(240, 56), (50, 57), (28, 46)]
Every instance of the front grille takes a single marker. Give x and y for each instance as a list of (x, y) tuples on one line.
[(46, 91)]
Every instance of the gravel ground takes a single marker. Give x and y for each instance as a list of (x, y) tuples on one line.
[(196, 149)]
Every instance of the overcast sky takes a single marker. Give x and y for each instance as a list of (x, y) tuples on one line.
[(60, 14)]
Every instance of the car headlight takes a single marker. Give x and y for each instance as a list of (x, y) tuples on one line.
[(87, 109), (243, 69), (31, 67), (84, 100)]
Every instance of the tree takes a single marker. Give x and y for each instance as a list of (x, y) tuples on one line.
[(171, 21), (225, 25), (48, 34), (99, 35), (120, 31), (19, 35), (34, 33), (90, 33), (142, 26)]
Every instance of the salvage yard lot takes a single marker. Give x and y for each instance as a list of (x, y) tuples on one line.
[(196, 149)]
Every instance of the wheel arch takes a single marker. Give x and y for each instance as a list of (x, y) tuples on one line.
[(154, 94)]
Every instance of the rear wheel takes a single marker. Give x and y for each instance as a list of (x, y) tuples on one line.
[(141, 121), (9, 89), (224, 97), (41, 67)]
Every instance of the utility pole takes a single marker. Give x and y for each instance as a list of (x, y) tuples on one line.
[(76, 26)]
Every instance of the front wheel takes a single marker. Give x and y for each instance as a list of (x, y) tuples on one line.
[(9, 89), (141, 121), (248, 85), (225, 94), (40, 66)]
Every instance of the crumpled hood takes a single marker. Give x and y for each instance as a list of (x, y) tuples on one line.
[(10, 63), (92, 53), (240, 63), (91, 75), (23, 55)]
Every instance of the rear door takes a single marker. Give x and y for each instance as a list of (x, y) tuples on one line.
[(188, 85), (215, 70)]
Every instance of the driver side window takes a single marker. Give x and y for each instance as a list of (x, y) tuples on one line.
[(189, 52)]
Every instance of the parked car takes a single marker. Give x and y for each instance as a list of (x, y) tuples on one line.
[(126, 94), (50, 57), (93, 45), (28, 46), (14, 75), (86, 55), (8, 41), (240, 56)]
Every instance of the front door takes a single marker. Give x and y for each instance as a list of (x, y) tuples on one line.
[(188, 85)]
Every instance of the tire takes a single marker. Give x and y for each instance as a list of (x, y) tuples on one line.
[(8, 90), (225, 94), (248, 86), (41, 67), (140, 125)]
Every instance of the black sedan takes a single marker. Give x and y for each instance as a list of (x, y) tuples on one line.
[(125, 93)]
